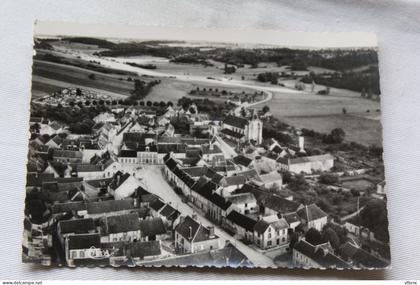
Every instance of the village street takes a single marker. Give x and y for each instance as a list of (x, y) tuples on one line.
[(157, 184)]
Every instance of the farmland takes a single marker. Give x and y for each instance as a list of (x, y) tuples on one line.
[(302, 109), (50, 76)]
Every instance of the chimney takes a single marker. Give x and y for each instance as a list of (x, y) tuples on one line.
[(118, 179), (211, 232), (181, 219), (194, 216), (190, 232), (301, 143)]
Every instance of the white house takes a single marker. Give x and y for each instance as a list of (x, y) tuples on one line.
[(191, 237), (271, 231), (307, 164), (243, 203), (241, 129), (123, 185), (313, 217)]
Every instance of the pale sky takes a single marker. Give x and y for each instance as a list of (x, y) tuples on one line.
[(240, 36)]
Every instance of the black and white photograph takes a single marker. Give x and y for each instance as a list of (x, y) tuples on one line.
[(174, 148)]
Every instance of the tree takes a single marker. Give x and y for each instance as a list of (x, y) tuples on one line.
[(328, 178), (192, 110), (169, 104), (87, 102), (298, 183), (101, 102), (162, 104), (329, 235), (376, 150), (266, 109), (243, 112), (141, 103), (92, 76), (336, 136), (287, 176), (344, 111), (374, 217), (149, 103), (313, 236)]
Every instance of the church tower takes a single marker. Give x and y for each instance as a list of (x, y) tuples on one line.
[(255, 128)]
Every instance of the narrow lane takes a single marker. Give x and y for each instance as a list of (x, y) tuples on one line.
[(156, 183)]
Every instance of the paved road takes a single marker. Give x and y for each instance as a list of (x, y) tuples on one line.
[(156, 183)]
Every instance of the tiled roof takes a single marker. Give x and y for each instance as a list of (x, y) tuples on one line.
[(242, 198), (79, 226), (271, 177), (157, 205), (128, 153), (313, 212), (233, 180), (188, 180), (110, 206), (84, 241), (279, 204), (237, 122), (250, 174), (122, 223), (360, 257), (152, 227), (242, 160), (171, 164), (169, 212), (117, 182), (261, 226), (231, 133), (67, 207), (241, 220), (98, 183), (195, 171), (67, 153), (36, 179), (291, 218), (191, 230), (323, 258)]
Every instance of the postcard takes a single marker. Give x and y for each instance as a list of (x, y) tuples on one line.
[(163, 146)]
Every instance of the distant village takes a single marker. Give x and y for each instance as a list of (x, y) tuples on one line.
[(135, 192)]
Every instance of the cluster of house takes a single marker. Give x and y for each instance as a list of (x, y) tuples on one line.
[(115, 221), (241, 205), (103, 213)]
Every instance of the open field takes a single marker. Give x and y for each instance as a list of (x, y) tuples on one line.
[(358, 129), (300, 109), (51, 73)]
